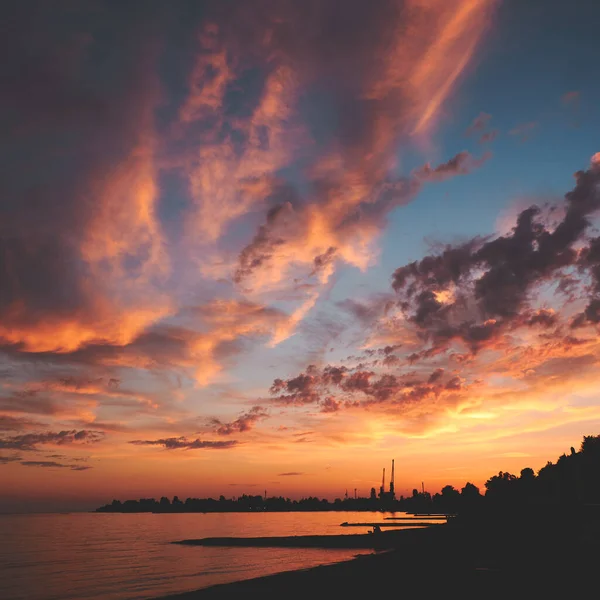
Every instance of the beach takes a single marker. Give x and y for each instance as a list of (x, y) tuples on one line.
[(509, 557)]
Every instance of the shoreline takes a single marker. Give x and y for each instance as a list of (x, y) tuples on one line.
[(361, 541), (276, 583), (483, 559)]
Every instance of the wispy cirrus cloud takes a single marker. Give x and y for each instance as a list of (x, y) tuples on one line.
[(524, 131), (480, 128), (8, 459), (385, 88), (51, 464), (89, 281), (10, 423)]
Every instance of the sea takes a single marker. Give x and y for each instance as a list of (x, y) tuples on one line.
[(113, 556)]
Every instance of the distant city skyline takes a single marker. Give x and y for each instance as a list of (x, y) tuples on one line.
[(275, 245)]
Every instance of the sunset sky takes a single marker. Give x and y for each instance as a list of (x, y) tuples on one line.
[(273, 244)]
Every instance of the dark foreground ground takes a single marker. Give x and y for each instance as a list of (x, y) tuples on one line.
[(518, 556)]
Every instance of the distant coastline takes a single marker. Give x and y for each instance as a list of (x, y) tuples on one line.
[(246, 503), (572, 480)]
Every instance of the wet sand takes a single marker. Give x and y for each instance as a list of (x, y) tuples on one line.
[(515, 558)]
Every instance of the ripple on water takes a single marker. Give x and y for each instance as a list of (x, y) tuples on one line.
[(126, 557)]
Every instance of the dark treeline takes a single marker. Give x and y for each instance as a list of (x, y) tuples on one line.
[(573, 480)]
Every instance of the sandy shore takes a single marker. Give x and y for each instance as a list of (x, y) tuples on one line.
[(506, 559)]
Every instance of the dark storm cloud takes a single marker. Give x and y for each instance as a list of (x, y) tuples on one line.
[(355, 387), (448, 267), (184, 443), (475, 292), (590, 259), (492, 279), (589, 262), (31, 441)]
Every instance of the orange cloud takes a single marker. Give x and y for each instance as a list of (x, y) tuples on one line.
[(469, 338), (226, 181), (291, 112), (396, 92), (85, 246), (449, 54), (210, 76)]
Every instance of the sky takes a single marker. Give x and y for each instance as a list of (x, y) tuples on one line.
[(273, 245)]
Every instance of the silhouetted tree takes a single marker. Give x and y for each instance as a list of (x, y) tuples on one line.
[(448, 501), (499, 487), (589, 469), (470, 492), (470, 499), (527, 474)]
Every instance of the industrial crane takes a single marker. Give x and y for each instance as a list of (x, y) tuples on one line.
[(391, 495)]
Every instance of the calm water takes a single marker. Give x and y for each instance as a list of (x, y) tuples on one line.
[(126, 556)]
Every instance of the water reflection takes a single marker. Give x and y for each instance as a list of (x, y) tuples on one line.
[(127, 556)]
